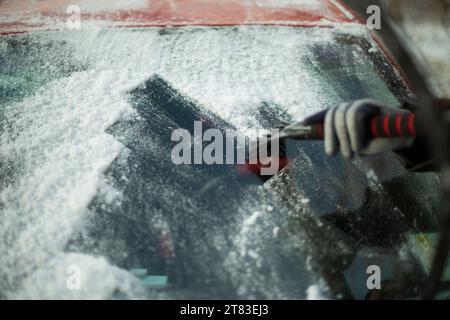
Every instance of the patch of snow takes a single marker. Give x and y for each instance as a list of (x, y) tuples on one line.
[(78, 276), (314, 292), (275, 231), (305, 201), (251, 220)]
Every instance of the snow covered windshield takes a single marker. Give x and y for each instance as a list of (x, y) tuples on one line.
[(87, 185)]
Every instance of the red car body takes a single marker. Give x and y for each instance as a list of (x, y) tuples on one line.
[(20, 16)]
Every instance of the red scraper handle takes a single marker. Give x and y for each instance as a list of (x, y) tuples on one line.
[(385, 126)]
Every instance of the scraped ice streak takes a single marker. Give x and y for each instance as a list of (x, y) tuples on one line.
[(58, 137)]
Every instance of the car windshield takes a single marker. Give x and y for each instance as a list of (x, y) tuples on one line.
[(87, 182)]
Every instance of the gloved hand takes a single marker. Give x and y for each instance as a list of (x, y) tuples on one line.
[(346, 129)]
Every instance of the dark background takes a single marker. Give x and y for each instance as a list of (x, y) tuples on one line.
[(360, 6)]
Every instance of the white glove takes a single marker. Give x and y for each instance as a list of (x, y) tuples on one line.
[(345, 129)]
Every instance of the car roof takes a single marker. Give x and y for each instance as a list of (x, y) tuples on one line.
[(21, 16)]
